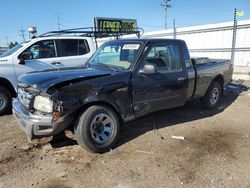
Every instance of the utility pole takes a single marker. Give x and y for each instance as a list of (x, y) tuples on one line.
[(22, 34), (174, 27), (165, 6), (7, 41), (58, 22), (234, 36)]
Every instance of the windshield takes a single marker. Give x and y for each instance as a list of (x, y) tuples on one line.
[(117, 54), (12, 50)]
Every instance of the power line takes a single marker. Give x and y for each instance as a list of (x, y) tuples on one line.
[(22, 33), (166, 5)]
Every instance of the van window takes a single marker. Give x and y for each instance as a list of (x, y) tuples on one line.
[(72, 47), (42, 49)]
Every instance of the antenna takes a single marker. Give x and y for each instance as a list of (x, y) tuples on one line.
[(166, 5)]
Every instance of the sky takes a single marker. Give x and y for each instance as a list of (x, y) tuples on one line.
[(15, 14)]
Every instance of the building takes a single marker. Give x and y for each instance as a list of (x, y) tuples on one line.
[(3, 49)]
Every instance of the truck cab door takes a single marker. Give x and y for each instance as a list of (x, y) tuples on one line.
[(167, 86), (42, 55)]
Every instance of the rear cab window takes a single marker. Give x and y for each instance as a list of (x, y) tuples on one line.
[(72, 47)]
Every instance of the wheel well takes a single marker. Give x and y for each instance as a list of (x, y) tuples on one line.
[(6, 83), (99, 103), (220, 80)]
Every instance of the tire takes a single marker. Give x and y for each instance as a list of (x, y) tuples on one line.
[(5, 101), (213, 96), (97, 129)]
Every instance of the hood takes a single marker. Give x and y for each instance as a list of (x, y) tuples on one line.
[(43, 80), (5, 59)]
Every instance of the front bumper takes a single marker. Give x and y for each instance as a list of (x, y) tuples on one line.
[(38, 125)]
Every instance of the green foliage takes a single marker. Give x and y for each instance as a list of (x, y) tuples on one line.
[(11, 45)]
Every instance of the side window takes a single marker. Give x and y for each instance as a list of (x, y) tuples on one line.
[(72, 47), (68, 47), (83, 47), (166, 57), (42, 49)]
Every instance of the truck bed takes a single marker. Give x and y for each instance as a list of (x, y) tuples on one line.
[(207, 69)]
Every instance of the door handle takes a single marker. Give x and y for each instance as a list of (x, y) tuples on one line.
[(181, 79), (56, 63)]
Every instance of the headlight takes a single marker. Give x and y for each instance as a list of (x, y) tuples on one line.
[(24, 96), (43, 104)]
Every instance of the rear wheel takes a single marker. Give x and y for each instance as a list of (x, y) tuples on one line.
[(97, 129), (5, 100), (213, 96)]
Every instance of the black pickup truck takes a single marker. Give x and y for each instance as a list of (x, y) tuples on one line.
[(125, 79)]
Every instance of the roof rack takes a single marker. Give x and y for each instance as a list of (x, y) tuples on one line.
[(93, 32)]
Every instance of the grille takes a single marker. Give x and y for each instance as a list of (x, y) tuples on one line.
[(25, 97)]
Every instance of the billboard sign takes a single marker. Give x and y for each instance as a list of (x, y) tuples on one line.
[(115, 24)]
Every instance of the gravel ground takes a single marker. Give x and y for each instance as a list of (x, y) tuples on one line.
[(214, 153)]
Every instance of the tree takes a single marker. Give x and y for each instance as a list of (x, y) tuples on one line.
[(11, 45)]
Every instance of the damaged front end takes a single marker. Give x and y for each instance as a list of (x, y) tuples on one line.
[(39, 114)]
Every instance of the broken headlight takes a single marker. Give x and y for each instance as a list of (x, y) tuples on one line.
[(25, 97), (43, 104)]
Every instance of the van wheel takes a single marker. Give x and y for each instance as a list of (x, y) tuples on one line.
[(213, 96), (5, 100), (97, 129)]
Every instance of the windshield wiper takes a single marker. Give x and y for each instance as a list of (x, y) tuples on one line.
[(109, 67)]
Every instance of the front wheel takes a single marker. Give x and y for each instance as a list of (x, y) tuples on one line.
[(213, 96), (97, 129), (5, 101)]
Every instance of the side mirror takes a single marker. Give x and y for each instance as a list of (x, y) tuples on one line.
[(149, 69), (24, 56)]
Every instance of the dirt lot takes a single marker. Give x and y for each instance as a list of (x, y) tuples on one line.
[(215, 152)]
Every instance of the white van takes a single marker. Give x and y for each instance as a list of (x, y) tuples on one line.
[(39, 54)]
